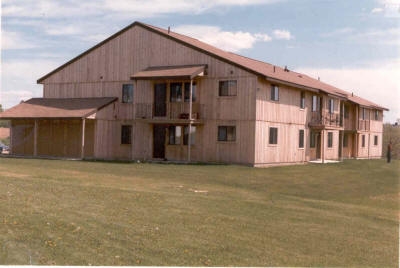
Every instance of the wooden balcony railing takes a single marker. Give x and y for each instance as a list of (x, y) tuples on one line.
[(325, 119), (172, 110)]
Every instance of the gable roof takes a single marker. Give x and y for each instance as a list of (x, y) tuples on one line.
[(57, 108), (270, 72)]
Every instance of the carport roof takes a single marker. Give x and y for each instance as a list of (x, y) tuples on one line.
[(52, 108)]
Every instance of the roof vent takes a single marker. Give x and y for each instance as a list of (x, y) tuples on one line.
[(274, 68), (169, 29), (318, 78), (286, 69), (300, 76)]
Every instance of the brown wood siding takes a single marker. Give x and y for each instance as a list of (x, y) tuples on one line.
[(22, 135), (103, 71)]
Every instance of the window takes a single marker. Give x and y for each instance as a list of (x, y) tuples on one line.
[(228, 88), (315, 103), (345, 140), (330, 139), (313, 136), (302, 100), (346, 111), (175, 92), (274, 93), (364, 114), (187, 91), (363, 141), (331, 106), (375, 140), (175, 133), (127, 93), (376, 115), (126, 134), (301, 138), (226, 133), (186, 135), (273, 135)]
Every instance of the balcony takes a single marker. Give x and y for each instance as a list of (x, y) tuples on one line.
[(325, 119), (172, 112)]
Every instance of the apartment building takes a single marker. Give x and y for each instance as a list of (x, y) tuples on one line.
[(148, 93)]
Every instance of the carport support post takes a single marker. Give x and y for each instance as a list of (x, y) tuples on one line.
[(35, 137), (83, 138)]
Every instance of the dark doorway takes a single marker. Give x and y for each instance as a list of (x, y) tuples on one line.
[(159, 141), (160, 99)]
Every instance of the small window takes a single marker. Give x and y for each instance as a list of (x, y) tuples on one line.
[(376, 115), (301, 138), (331, 106), (127, 93), (175, 133), (363, 141), (313, 136), (228, 88), (273, 135), (330, 139), (346, 111), (345, 140), (315, 103), (187, 91), (274, 93), (375, 140), (175, 92), (186, 135), (226, 133), (302, 100), (126, 134), (364, 114)]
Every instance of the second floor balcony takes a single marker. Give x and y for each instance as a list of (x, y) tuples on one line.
[(325, 119), (170, 111)]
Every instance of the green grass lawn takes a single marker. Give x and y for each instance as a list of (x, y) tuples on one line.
[(82, 213)]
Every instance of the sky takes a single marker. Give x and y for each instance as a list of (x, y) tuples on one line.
[(353, 45)]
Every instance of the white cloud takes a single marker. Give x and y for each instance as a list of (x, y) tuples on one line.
[(19, 80), (338, 32), (229, 41), (15, 40), (282, 34), (377, 10), (391, 8), (63, 30), (136, 8), (378, 83)]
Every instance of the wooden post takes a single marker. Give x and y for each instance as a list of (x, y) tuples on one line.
[(342, 140), (190, 118), (323, 146), (35, 137), (83, 138)]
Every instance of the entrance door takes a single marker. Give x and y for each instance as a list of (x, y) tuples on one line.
[(160, 99), (318, 145), (158, 141)]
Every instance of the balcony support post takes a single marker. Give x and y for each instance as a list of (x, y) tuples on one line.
[(190, 119)]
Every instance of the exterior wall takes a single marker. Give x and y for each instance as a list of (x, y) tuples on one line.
[(103, 71), (55, 138), (331, 153), (288, 117), (22, 135)]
